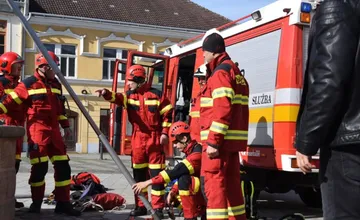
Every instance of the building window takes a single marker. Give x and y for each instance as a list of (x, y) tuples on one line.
[(109, 57), (2, 43), (67, 56)]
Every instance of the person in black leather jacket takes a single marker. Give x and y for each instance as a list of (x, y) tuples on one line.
[(329, 116)]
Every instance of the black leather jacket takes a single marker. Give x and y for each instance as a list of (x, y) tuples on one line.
[(330, 107)]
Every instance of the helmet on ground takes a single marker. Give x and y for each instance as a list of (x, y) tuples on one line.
[(178, 128), (40, 59), (8, 59), (201, 71), (136, 73)]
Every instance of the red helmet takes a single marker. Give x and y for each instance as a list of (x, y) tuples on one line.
[(178, 128), (8, 59), (40, 59), (136, 73)]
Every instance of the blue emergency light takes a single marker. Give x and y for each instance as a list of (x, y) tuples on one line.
[(306, 7)]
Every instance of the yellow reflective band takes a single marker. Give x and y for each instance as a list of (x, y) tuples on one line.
[(238, 135), (197, 185), (17, 156), (39, 160), (184, 192), (223, 92), (59, 158), (217, 214), (8, 91), (188, 166), (219, 127), (156, 166), (56, 91), (157, 193), (165, 176), (62, 117), (236, 210), (252, 189), (37, 184), (36, 91), (152, 102), (166, 124), (125, 100), (240, 99), (144, 190), (195, 114), (165, 109), (4, 109), (206, 102), (243, 188), (15, 97), (140, 165), (134, 102), (62, 183), (112, 97)]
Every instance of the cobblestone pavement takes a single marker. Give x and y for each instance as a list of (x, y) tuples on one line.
[(271, 206)]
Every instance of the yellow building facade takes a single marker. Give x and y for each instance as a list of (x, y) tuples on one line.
[(87, 57)]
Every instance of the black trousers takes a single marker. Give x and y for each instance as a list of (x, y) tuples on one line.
[(340, 182)]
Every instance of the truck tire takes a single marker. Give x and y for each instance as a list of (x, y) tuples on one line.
[(310, 197)]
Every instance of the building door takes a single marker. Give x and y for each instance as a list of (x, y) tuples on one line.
[(104, 125), (71, 141)]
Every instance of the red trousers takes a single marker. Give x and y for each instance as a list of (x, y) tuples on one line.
[(148, 157), (192, 201), (222, 186), (45, 144)]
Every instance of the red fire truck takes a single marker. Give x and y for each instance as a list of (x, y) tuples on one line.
[(270, 45)]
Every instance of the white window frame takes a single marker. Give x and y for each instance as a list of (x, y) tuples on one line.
[(118, 56), (58, 53)]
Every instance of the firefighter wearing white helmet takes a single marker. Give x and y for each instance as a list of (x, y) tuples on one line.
[(194, 114)]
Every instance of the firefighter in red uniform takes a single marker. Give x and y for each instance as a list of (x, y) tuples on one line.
[(224, 124), (10, 66), (187, 172), (150, 115), (42, 95), (195, 105)]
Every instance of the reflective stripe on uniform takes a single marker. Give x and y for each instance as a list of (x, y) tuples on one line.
[(112, 97), (184, 192), (219, 127), (217, 214), (238, 135), (157, 193), (62, 183), (188, 166), (236, 99), (59, 158), (134, 102), (15, 97), (236, 210), (39, 160), (140, 165), (206, 102), (195, 114), (2, 106), (197, 184), (165, 109), (56, 91), (8, 91), (166, 124), (152, 102), (223, 92), (125, 100), (62, 117), (165, 176), (37, 184), (240, 99), (156, 166)]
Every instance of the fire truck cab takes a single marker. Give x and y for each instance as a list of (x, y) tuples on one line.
[(270, 46)]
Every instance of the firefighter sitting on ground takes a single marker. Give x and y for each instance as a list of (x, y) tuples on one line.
[(150, 115), (187, 172)]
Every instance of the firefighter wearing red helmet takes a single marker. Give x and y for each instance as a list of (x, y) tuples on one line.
[(42, 95), (150, 115), (11, 65), (187, 173), (224, 117), (194, 114)]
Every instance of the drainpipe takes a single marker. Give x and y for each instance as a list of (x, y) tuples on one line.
[(26, 12)]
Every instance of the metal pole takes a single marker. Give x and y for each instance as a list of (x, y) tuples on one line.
[(62, 79)]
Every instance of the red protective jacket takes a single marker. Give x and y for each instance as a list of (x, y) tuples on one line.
[(147, 110), (224, 112), (45, 104), (189, 166), (17, 115), (194, 118)]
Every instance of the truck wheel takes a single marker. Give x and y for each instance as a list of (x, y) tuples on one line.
[(311, 197)]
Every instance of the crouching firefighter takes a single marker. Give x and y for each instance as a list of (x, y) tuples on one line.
[(150, 115), (11, 65), (187, 172), (42, 95)]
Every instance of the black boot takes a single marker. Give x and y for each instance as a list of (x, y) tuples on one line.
[(35, 207), (139, 211), (66, 208), (159, 213), (19, 205)]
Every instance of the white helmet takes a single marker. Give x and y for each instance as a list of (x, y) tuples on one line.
[(201, 71)]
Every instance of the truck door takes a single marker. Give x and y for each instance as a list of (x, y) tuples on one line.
[(157, 68)]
